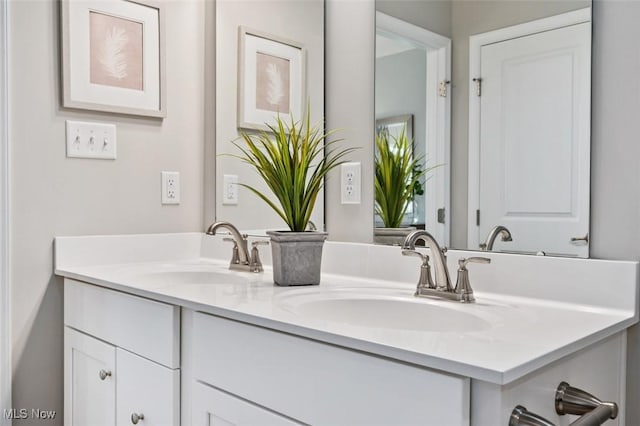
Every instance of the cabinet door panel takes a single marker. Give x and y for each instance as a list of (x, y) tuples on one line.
[(212, 407), (148, 389), (90, 381)]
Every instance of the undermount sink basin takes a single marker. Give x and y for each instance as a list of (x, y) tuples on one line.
[(189, 277), (376, 311), (172, 274)]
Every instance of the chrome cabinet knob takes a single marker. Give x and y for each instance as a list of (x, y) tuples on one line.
[(104, 374), (136, 417)]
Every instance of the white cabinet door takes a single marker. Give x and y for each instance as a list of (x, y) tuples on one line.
[(212, 407), (146, 390), (90, 381)]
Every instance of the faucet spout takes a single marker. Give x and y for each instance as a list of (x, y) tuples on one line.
[(498, 230), (442, 280), (241, 241)]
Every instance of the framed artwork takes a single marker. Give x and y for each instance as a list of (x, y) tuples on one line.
[(113, 57), (271, 79)]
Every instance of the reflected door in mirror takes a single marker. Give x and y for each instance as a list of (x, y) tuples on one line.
[(534, 140)]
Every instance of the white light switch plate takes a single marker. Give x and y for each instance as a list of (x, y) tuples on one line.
[(91, 140)]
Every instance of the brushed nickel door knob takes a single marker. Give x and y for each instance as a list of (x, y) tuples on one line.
[(135, 418), (104, 374)]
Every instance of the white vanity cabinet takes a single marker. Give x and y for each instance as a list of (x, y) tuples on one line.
[(253, 375), (121, 358)]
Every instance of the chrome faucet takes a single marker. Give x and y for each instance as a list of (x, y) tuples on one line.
[(497, 230), (442, 280), (442, 286), (240, 259)]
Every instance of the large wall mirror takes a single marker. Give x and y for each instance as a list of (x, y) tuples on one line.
[(498, 93), (519, 89), (268, 29)]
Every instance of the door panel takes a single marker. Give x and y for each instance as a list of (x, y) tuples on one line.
[(535, 140), (90, 381), (146, 389)]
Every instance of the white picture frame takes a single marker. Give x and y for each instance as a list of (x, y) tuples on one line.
[(271, 79), (113, 57)]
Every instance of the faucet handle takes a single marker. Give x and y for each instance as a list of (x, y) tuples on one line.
[(463, 285), (462, 262), (235, 256), (416, 253), (425, 280), (255, 264)]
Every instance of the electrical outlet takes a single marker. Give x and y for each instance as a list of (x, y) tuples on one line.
[(350, 183), (170, 187), (230, 190)]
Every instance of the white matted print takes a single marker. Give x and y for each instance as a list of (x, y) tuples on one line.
[(271, 79), (113, 56)]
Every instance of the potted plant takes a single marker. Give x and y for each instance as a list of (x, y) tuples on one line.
[(293, 158), (398, 179)]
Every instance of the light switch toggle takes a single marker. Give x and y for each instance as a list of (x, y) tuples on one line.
[(91, 140)]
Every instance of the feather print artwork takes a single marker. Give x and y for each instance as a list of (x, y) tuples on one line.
[(112, 58), (116, 56), (272, 83), (275, 86)]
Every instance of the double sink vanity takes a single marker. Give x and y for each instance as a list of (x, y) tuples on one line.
[(159, 331)]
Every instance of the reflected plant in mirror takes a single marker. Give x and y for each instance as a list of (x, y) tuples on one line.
[(398, 179)]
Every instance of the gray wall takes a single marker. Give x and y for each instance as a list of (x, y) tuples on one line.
[(53, 195), (434, 15), (615, 176), (349, 105)]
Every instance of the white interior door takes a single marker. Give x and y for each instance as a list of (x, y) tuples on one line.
[(535, 140)]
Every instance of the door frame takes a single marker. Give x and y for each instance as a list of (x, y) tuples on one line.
[(5, 313), (438, 117), (475, 45)]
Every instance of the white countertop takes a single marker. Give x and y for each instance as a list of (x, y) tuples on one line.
[(514, 335)]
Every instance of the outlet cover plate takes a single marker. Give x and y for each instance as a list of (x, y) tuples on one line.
[(170, 187), (350, 183)]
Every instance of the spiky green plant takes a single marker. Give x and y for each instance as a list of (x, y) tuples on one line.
[(293, 158), (398, 177)]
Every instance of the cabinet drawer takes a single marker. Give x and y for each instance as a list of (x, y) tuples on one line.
[(212, 407), (317, 383), (148, 390), (143, 326)]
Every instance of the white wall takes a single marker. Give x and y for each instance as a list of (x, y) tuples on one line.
[(350, 61), (53, 195), (300, 21)]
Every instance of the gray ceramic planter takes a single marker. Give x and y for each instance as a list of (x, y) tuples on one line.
[(392, 236), (297, 257)]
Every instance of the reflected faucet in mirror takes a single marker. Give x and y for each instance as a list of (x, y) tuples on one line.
[(497, 230)]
